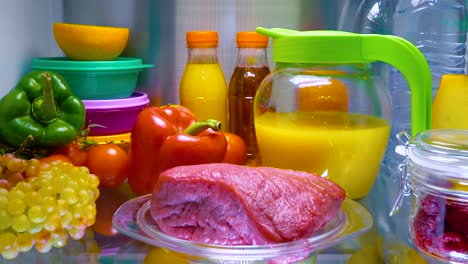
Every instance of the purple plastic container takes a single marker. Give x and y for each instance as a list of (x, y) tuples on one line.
[(116, 115)]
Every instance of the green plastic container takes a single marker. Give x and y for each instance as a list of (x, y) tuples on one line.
[(96, 80)]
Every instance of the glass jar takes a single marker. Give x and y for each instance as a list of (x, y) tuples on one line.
[(436, 173)]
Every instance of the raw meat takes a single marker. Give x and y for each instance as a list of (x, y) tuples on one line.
[(228, 204)]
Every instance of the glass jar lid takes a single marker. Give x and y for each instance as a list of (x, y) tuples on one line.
[(436, 162), (442, 150)]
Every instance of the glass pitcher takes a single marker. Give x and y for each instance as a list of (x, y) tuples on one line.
[(321, 110)]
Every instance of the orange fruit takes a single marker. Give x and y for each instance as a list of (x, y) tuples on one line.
[(87, 42), (324, 94)]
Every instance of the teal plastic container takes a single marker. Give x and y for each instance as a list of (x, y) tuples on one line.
[(96, 80)]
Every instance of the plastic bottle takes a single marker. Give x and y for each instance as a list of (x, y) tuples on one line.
[(203, 87), (391, 231), (438, 29), (251, 68), (366, 16)]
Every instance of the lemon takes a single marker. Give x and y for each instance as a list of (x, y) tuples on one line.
[(367, 254), (87, 42), (164, 256), (400, 253)]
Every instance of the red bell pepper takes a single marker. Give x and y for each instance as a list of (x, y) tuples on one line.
[(169, 136)]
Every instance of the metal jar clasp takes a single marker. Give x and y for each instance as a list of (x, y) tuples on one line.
[(404, 140)]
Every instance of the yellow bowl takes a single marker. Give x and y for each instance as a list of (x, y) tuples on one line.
[(87, 42)]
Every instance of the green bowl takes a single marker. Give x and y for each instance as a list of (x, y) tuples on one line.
[(96, 80)]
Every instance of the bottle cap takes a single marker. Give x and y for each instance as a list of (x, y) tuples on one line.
[(202, 39), (251, 40)]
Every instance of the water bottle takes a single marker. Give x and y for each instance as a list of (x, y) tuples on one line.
[(378, 18), (378, 15), (437, 28)]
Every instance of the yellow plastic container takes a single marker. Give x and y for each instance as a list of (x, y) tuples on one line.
[(451, 102)]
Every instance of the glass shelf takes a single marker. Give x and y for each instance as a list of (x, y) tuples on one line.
[(98, 248)]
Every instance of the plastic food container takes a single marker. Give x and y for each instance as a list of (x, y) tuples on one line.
[(117, 116), (96, 80), (436, 173), (133, 219)]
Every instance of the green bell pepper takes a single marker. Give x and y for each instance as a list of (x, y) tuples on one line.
[(42, 106)]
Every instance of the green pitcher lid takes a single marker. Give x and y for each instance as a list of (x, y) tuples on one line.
[(331, 46), (300, 46)]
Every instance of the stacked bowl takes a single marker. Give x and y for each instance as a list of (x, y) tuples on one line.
[(104, 81)]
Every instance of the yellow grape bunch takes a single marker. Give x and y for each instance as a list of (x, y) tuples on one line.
[(43, 207)]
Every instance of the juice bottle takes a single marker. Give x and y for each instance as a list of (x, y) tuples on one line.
[(251, 68), (203, 87)]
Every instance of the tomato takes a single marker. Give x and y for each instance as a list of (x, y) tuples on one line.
[(106, 204), (74, 153), (54, 159), (5, 184), (236, 152), (110, 163)]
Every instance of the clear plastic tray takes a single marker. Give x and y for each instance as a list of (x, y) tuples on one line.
[(133, 219)]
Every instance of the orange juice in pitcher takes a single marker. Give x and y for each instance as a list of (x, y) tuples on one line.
[(322, 111)]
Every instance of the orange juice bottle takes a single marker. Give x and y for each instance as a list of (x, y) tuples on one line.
[(251, 68), (203, 87)]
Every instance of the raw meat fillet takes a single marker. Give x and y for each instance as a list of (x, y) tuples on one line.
[(228, 204)]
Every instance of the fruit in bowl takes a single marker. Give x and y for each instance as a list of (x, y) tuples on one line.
[(89, 42)]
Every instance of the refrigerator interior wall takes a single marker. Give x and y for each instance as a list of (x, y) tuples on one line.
[(26, 27), (158, 29)]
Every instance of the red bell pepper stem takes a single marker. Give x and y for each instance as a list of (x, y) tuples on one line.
[(197, 127)]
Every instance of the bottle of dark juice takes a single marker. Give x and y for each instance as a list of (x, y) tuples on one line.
[(251, 68)]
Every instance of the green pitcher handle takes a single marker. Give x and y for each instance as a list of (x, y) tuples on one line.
[(346, 47), (406, 58)]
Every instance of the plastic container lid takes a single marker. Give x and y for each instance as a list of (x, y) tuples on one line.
[(202, 39), (136, 99), (66, 64), (251, 40)]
